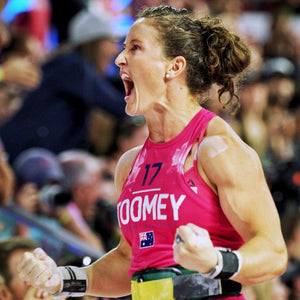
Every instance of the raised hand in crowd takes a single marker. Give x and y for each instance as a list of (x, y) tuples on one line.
[(21, 71)]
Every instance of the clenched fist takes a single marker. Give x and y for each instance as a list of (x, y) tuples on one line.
[(193, 249), (40, 270)]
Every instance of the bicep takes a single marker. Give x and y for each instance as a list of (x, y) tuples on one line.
[(242, 189)]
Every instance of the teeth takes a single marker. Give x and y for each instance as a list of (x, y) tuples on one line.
[(125, 76)]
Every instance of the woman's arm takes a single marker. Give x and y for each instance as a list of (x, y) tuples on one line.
[(234, 170), (108, 276)]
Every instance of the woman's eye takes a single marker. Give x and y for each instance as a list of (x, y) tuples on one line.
[(135, 47)]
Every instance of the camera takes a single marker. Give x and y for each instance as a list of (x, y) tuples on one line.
[(55, 195)]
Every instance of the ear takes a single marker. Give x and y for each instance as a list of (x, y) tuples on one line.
[(176, 67), (5, 294)]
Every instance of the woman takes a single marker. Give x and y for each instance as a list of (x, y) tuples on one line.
[(193, 186)]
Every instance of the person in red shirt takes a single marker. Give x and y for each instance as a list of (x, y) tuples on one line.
[(196, 215)]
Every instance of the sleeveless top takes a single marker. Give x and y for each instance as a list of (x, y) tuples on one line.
[(157, 197)]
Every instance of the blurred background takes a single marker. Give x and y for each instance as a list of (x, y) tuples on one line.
[(63, 126)]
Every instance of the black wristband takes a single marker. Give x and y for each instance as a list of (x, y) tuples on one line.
[(74, 282), (230, 264)]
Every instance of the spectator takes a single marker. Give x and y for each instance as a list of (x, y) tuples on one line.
[(18, 70), (10, 101), (35, 21), (39, 192), (4, 34), (55, 116), (5, 294), (83, 179), (25, 47), (282, 41), (7, 178), (11, 251), (128, 134), (13, 71), (34, 169), (254, 99)]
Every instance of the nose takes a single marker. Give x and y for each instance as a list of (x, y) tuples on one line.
[(120, 59)]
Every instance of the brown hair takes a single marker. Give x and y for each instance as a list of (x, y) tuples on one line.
[(7, 247), (213, 54)]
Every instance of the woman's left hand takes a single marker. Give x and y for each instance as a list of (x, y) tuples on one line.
[(193, 249)]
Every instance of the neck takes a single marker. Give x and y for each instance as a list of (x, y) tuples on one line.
[(172, 111), (168, 118)]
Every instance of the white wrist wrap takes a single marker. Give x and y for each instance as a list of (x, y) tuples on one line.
[(74, 282), (217, 269)]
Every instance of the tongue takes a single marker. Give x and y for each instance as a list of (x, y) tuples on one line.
[(130, 95), (130, 88)]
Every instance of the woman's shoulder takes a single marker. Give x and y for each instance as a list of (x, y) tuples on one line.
[(218, 126), (220, 136), (129, 156), (124, 166), (224, 156)]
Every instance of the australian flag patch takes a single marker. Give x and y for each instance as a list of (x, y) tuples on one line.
[(146, 239)]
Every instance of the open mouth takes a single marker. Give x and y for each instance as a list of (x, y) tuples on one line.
[(128, 84)]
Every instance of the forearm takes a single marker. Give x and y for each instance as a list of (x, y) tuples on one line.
[(108, 276), (262, 260)]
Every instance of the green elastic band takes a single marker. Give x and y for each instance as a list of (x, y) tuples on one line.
[(148, 276), (1, 74)]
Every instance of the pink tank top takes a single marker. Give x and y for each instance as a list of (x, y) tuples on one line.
[(157, 197)]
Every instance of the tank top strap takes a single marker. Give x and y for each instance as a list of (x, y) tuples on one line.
[(208, 115), (198, 125)]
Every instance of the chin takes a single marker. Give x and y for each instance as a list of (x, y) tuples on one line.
[(132, 110)]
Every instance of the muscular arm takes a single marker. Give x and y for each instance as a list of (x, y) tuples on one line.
[(235, 171), (108, 276)]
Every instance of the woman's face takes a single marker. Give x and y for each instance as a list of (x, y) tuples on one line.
[(142, 68)]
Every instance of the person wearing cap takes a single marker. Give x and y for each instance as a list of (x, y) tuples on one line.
[(11, 72), (41, 190), (55, 116), (39, 166), (34, 168)]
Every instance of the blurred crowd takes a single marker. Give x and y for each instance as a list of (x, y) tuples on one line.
[(63, 125)]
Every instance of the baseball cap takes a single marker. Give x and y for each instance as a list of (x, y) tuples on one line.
[(87, 25), (39, 166), (278, 66)]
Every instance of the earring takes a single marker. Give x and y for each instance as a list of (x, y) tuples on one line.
[(167, 75)]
